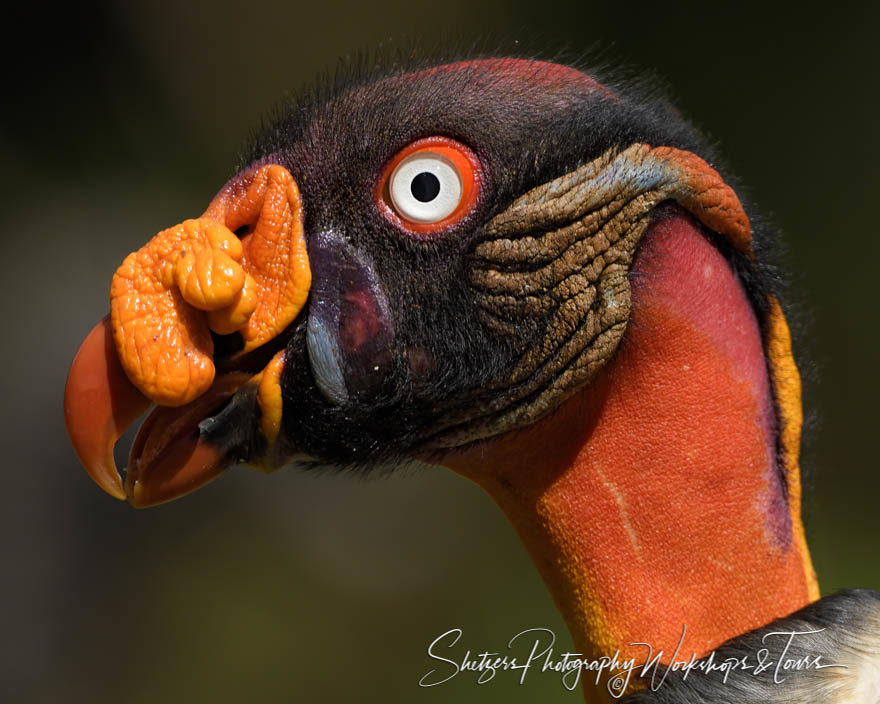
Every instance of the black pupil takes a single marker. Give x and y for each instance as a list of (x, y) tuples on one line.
[(425, 187)]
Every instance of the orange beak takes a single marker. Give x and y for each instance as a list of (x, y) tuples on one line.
[(170, 457), (100, 403), (156, 346)]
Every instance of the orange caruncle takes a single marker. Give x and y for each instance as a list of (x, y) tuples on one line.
[(267, 199), (200, 275)]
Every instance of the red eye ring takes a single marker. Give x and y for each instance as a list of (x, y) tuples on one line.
[(469, 172)]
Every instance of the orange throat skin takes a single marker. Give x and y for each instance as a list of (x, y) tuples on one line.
[(665, 497)]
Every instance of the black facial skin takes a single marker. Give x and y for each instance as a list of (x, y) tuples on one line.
[(435, 357)]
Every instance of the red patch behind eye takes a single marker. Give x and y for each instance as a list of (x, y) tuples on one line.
[(529, 70), (465, 163)]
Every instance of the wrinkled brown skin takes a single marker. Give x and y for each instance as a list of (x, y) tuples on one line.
[(562, 253)]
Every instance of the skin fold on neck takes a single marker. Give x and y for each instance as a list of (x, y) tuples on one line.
[(653, 500)]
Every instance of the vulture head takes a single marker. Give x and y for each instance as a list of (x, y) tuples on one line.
[(506, 267)]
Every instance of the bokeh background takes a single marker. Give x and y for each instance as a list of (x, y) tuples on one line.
[(119, 119)]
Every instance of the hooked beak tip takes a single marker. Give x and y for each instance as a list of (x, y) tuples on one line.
[(170, 456), (100, 403)]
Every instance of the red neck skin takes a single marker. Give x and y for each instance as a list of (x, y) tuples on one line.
[(652, 501)]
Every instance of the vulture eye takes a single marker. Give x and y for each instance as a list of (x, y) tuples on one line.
[(430, 185)]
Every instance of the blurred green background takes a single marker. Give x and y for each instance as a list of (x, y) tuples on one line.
[(120, 119)]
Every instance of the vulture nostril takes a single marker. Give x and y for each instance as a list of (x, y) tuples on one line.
[(350, 338)]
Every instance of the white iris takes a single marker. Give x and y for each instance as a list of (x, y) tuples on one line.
[(441, 197)]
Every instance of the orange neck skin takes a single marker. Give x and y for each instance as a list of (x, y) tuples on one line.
[(652, 501)]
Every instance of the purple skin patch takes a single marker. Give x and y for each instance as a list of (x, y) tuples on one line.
[(350, 335)]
